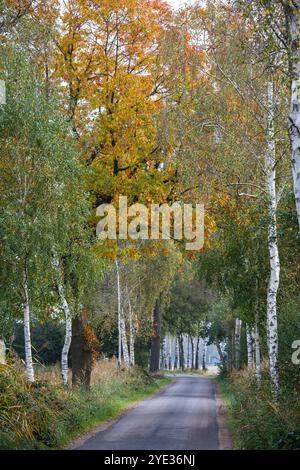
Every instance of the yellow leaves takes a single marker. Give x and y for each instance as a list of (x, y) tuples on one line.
[(233, 102)]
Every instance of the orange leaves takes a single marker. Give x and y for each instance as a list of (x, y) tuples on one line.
[(106, 53)]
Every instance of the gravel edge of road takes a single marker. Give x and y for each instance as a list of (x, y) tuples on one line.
[(79, 441), (224, 436)]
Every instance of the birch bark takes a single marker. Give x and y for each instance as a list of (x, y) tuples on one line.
[(256, 338), (124, 340), (68, 320), (250, 350), (237, 342), (221, 354), (155, 340), (119, 313), (27, 334), (131, 332), (273, 285), (292, 10)]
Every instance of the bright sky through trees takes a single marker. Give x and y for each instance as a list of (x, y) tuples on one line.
[(178, 3)]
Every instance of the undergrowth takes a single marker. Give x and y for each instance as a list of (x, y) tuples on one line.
[(46, 415), (257, 419)]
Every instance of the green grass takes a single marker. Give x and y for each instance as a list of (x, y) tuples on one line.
[(256, 420), (93, 415), (231, 404), (47, 416)]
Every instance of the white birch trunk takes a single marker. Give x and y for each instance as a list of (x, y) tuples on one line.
[(272, 243), (257, 339), (237, 342), (68, 321), (124, 341), (293, 15), (250, 351), (188, 353), (164, 354), (2, 352), (131, 333), (66, 346), (119, 314), (257, 355), (27, 335)]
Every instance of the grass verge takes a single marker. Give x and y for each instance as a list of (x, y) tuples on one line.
[(258, 421), (45, 415), (230, 402)]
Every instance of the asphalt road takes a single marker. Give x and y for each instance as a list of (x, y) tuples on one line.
[(181, 417)]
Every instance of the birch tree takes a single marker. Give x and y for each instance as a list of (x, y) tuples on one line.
[(68, 319), (119, 313), (250, 350), (237, 342), (27, 333), (204, 354), (272, 242), (292, 11), (124, 340), (38, 199), (131, 330)]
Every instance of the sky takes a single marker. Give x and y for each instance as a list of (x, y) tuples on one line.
[(177, 3)]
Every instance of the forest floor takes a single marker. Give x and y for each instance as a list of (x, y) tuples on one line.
[(45, 415)]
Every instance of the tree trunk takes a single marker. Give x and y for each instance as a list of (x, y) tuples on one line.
[(170, 353), (292, 10), (164, 353), (176, 357), (181, 351), (68, 321), (237, 343), (204, 355), (220, 352), (256, 338), (81, 354), (66, 347), (197, 353), (27, 335), (192, 353), (250, 351), (131, 335), (124, 341), (272, 244), (2, 352), (155, 340), (257, 354), (119, 314)]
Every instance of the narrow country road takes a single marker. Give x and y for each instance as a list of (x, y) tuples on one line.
[(181, 417)]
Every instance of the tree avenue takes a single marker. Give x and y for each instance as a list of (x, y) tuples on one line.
[(150, 211)]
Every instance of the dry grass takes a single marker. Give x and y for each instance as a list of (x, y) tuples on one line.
[(258, 421), (46, 414)]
